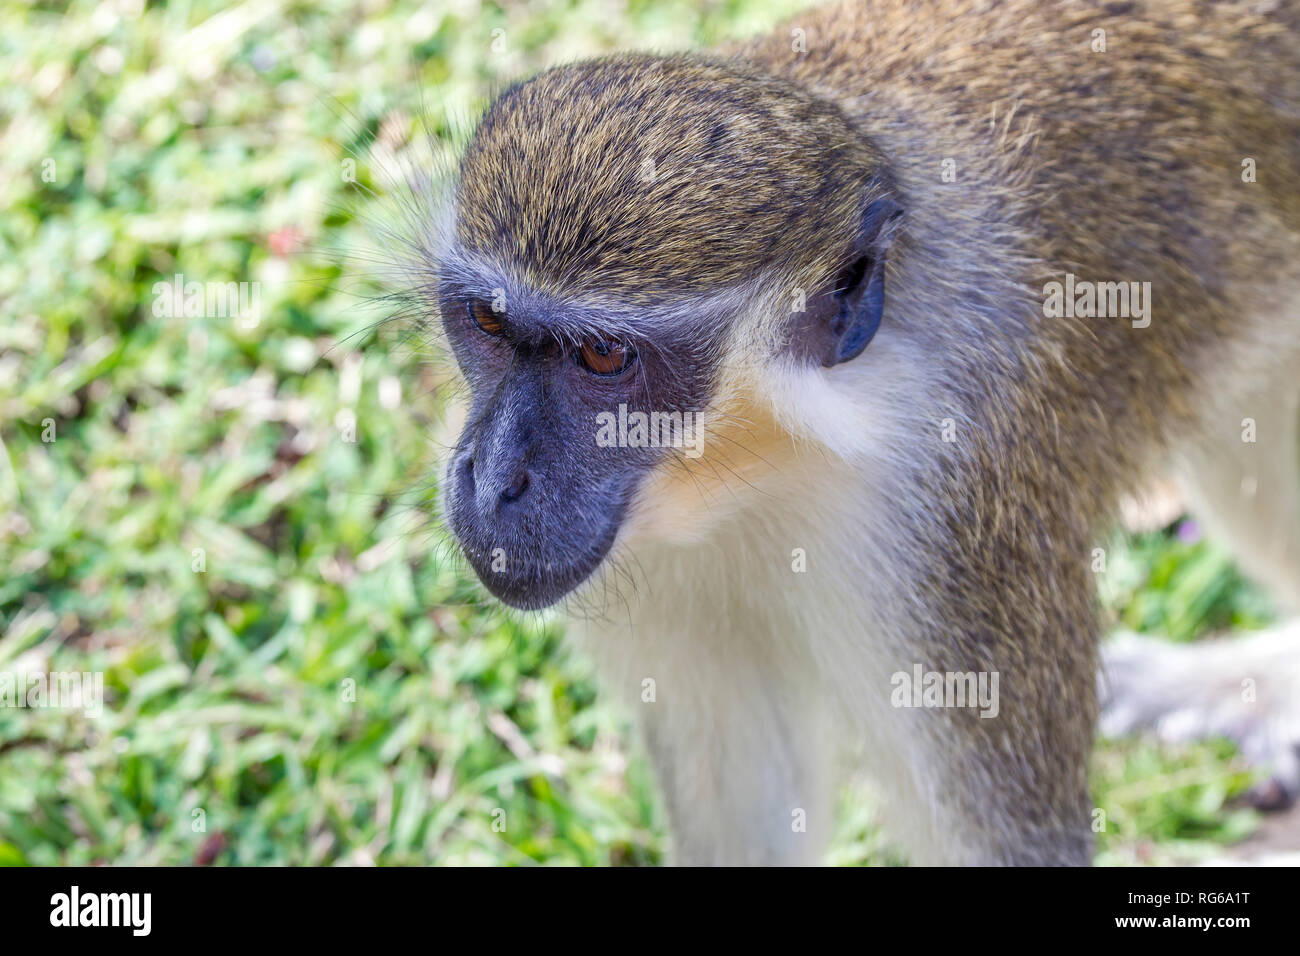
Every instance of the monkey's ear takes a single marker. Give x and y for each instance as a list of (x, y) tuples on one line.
[(844, 318)]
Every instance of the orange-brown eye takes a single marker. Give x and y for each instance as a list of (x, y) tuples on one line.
[(604, 357), (484, 317)]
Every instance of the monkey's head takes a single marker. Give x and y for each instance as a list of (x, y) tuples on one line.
[(632, 239)]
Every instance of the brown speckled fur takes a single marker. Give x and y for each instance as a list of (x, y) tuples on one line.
[(586, 216)]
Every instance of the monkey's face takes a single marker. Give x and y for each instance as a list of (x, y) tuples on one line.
[(618, 227)]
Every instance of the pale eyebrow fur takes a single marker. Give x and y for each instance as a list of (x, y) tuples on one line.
[(583, 314)]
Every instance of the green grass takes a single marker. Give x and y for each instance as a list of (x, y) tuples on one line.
[(329, 687)]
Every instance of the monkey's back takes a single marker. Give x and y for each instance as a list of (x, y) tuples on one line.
[(1153, 99)]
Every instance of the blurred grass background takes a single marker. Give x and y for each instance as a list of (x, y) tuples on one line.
[(329, 688)]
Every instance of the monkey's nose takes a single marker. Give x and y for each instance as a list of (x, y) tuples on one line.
[(497, 495), (492, 492), (516, 489)]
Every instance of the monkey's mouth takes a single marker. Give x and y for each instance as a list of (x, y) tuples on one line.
[(534, 586), (526, 575)]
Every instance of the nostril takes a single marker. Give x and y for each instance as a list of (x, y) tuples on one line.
[(516, 489)]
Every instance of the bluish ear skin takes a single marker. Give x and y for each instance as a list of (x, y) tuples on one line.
[(862, 301), (860, 321)]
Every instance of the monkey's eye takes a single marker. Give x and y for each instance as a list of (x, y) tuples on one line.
[(485, 317), (604, 357)]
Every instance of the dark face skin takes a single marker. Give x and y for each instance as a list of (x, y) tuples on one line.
[(534, 500)]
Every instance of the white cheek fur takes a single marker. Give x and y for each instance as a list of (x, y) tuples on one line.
[(858, 411)]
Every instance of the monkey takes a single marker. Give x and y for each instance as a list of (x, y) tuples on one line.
[(840, 252)]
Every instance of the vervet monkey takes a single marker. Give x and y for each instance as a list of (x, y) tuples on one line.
[(940, 280)]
